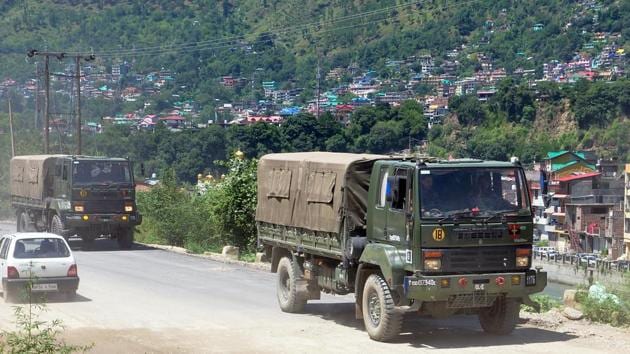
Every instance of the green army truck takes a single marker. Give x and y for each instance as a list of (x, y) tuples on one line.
[(75, 195), (426, 235)]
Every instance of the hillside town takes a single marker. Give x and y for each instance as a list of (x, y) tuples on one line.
[(429, 80)]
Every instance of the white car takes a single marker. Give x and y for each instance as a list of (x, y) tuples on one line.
[(43, 260)]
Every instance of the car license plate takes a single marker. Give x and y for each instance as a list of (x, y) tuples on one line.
[(44, 287)]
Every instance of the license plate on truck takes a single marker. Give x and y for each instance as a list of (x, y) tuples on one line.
[(44, 287)]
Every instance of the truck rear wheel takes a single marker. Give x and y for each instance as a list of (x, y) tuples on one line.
[(288, 297), (24, 222), (382, 320), (501, 317), (125, 238)]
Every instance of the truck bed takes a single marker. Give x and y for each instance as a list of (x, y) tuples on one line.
[(326, 244)]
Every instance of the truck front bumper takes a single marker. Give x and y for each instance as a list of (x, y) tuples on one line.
[(73, 221), (473, 290)]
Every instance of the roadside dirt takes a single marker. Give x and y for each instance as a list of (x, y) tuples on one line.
[(601, 336), (536, 333)]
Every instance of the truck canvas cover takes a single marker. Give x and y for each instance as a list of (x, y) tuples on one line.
[(309, 189), (28, 174)]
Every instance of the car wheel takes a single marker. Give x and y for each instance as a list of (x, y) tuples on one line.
[(381, 318), (125, 238), (9, 296), (70, 295), (286, 288), (501, 317)]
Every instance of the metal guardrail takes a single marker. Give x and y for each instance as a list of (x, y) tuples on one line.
[(602, 265)]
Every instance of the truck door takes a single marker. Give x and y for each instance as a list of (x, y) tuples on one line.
[(400, 207), (378, 220)]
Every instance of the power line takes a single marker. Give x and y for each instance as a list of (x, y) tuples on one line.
[(226, 42), (193, 47), (314, 24)]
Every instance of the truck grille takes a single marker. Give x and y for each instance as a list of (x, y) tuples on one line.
[(479, 234), (479, 259), (104, 206)]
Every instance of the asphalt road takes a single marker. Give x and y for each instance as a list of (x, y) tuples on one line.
[(148, 300)]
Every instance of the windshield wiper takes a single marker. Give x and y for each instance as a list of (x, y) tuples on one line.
[(498, 213), (454, 214)]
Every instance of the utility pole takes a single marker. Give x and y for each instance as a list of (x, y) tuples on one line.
[(318, 79), (46, 105), (37, 103), (60, 56), (11, 128), (78, 78)]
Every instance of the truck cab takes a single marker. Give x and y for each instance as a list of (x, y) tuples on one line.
[(452, 236)]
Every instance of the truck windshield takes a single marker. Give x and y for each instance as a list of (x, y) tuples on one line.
[(472, 192), (100, 172)]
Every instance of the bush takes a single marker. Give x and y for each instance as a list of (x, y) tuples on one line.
[(546, 303), (223, 213), (606, 311), (614, 310)]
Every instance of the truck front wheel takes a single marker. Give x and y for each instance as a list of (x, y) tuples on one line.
[(382, 320), (125, 238), (501, 317), (288, 297)]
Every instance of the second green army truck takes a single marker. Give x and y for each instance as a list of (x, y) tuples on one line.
[(75, 195), (437, 237)]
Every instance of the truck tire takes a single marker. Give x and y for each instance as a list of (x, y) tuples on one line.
[(288, 297), (382, 320), (56, 226), (125, 238), (24, 222), (20, 222), (501, 317)]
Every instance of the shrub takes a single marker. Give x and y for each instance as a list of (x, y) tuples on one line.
[(546, 303)]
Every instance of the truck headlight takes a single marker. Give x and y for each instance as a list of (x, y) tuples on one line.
[(522, 261), (432, 264), (79, 208), (128, 208)]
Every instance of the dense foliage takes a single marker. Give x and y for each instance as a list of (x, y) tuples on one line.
[(204, 217)]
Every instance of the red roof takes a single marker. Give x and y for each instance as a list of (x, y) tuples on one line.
[(580, 176)]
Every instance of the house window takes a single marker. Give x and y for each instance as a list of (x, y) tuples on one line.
[(598, 210)]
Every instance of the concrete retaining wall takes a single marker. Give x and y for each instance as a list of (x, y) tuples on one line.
[(570, 274)]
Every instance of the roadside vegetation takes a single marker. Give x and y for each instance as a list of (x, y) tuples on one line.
[(220, 213), (546, 303), (33, 335), (612, 307)]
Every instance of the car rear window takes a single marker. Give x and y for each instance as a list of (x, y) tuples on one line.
[(40, 248)]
